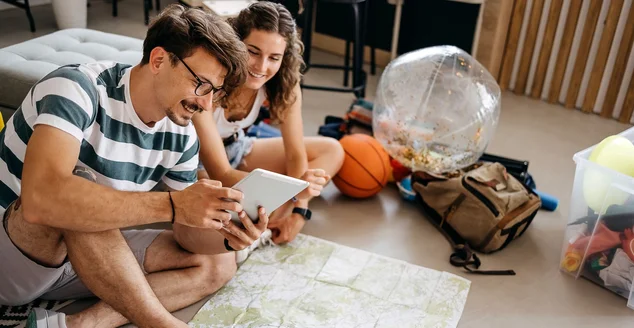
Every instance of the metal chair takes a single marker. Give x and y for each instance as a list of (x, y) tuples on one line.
[(360, 13)]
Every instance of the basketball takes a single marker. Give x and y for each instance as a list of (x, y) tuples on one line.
[(366, 167)]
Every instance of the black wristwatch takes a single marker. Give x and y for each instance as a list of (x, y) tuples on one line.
[(306, 213)]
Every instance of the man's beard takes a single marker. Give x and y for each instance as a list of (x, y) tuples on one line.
[(180, 120)]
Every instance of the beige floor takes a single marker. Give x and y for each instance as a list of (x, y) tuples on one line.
[(547, 136)]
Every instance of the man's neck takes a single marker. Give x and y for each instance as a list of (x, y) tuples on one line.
[(143, 97)]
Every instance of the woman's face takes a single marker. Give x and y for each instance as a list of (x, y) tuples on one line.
[(266, 50)]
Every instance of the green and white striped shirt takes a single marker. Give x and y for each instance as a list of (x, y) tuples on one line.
[(92, 103)]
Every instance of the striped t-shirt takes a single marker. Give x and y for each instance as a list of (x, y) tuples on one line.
[(92, 103)]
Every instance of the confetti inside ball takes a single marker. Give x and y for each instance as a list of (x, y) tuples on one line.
[(436, 109)]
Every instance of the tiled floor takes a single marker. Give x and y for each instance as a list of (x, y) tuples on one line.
[(545, 135)]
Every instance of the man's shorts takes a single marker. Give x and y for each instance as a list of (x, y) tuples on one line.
[(23, 280)]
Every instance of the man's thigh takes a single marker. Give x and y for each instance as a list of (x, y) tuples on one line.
[(22, 278), (70, 286)]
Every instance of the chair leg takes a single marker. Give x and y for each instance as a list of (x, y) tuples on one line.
[(364, 25), (373, 61), (27, 8), (146, 10), (158, 5), (346, 64), (115, 9), (307, 32), (358, 48)]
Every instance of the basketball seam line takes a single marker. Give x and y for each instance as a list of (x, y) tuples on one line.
[(363, 167), (354, 186), (382, 166)]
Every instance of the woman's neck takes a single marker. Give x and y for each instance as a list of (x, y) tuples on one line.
[(240, 106)]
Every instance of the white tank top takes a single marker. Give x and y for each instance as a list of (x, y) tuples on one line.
[(226, 128)]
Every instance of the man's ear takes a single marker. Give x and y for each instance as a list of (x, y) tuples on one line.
[(158, 58)]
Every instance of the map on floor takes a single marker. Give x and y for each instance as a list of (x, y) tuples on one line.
[(311, 282)]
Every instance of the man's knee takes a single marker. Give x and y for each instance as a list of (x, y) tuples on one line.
[(218, 270)]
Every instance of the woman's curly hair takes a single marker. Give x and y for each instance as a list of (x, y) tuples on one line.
[(275, 18)]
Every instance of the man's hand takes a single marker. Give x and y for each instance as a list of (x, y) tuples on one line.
[(205, 204), (317, 179), (286, 229), (241, 238)]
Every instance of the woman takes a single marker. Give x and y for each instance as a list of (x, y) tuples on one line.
[(227, 154)]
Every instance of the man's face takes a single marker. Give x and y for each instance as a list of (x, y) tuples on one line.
[(177, 88)]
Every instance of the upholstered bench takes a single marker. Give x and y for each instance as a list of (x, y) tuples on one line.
[(23, 64)]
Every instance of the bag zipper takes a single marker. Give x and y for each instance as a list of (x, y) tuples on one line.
[(481, 197)]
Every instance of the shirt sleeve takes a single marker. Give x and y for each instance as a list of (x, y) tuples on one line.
[(66, 99), (185, 172)]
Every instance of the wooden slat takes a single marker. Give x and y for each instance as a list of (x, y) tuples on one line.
[(628, 104), (564, 51), (496, 18), (594, 84), (547, 46), (529, 46), (511, 45), (582, 54), (618, 71)]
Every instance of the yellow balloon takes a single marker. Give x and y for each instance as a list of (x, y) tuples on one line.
[(615, 153)]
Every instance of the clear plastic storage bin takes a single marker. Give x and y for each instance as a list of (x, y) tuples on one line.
[(599, 241)]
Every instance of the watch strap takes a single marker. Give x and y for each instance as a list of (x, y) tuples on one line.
[(306, 213)]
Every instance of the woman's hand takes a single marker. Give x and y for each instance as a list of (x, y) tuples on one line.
[(317, 179), (286, 229)]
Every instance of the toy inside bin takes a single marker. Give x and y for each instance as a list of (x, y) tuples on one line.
[(599, 237)]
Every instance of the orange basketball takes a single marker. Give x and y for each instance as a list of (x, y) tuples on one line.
[(366, 167)]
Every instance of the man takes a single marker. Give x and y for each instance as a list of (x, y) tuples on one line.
[(79, 161)]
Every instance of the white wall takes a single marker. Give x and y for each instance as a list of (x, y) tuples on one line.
[(33, 3)]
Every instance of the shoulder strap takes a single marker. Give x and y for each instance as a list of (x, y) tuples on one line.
[(462, 255)]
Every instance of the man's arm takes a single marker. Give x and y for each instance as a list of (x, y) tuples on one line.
[(53, 196)]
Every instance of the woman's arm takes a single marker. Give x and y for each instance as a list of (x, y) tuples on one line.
[(212, 151), (293, 135)]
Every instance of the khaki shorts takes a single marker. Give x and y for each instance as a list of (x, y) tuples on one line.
[(23, 280)]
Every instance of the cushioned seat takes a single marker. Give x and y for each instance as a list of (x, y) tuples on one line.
[(23, 64)]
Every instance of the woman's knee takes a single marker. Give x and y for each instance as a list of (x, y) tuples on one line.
[(332, 149)]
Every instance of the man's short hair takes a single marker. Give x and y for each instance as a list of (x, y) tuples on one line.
[(181, 31)]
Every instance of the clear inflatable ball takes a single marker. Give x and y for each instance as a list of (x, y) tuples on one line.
[(436, 109)]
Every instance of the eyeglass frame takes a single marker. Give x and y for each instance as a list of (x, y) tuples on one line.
[(201, 82)]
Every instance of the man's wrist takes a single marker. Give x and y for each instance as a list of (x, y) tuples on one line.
[(168, 208)]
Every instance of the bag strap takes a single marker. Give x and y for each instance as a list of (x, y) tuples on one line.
[(462, 255)]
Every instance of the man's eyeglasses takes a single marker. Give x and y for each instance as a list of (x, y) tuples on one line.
[(203, 88)]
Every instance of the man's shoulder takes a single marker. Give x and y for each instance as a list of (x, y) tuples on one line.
[(103, 72)]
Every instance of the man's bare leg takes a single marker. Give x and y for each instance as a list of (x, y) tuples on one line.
[(103, 261), (178, 278)]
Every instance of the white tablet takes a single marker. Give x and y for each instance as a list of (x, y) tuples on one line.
[(267, 189)]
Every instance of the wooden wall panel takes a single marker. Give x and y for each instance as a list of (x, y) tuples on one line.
[(547, 46), (564, 51), (584, 53), (601, 59), (512, 42), (529, 46)]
